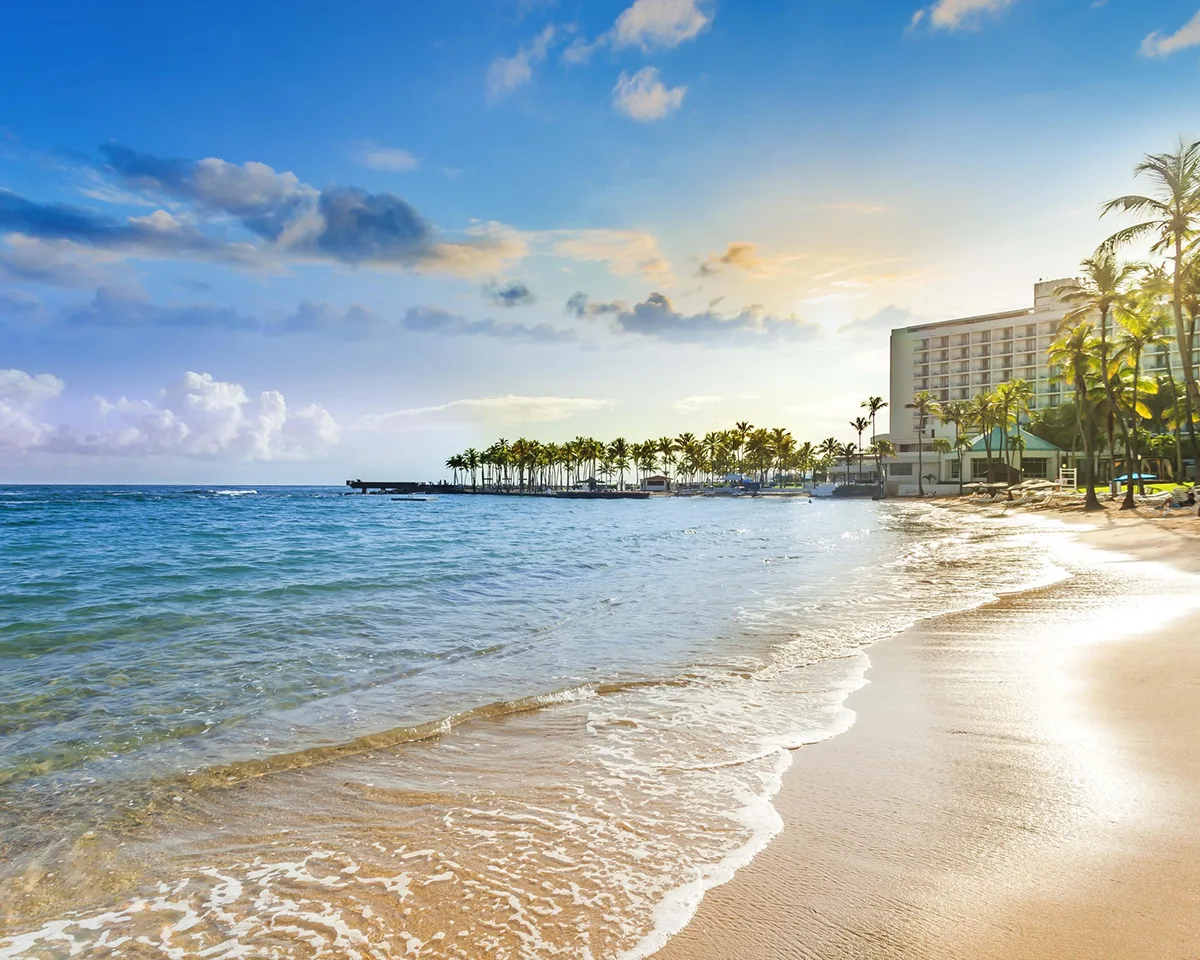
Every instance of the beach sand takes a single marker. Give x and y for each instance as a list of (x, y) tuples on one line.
[(1021, 781)]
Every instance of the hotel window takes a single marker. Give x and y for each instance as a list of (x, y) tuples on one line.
[(979, 467), (1034, 467), (900, 469)]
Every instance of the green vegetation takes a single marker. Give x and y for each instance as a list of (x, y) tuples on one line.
[(768, 456), (1120, 314)]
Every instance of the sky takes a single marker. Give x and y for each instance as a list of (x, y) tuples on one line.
[(301, 243)]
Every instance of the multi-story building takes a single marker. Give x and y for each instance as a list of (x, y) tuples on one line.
[(958, 359)]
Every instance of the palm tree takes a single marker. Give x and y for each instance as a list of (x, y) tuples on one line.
[(1104, 285), (1073, 354), (882, 450), (926, 405), (828, 448), (942, 446), (873, 406), (1142, 329), (666, 453), (860, 424), (471, 458), (848, 451), (741, 430), (962, 444), (782, 445), (982, 415), (1173, 220), (618, 453)]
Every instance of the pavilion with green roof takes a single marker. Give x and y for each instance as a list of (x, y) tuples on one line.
[(1039, 459)]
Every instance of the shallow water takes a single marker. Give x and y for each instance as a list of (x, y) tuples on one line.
[(294, 723)]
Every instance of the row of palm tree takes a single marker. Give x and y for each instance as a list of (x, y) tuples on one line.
[(767, 455), (1120, 311)]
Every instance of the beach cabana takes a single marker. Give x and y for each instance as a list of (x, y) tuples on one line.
[(1039, 460)]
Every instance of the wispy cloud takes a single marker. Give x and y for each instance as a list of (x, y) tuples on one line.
[(378, 157), (504, 409), (442, 322), (657, 317), (624, 252), (1157, 45), (692, 404), (275, 219), (506, 74), (958, 14), (643, 97), (116, 308), (888, 318), (745, 257)]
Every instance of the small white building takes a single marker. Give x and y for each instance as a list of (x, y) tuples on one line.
[(658, 484)]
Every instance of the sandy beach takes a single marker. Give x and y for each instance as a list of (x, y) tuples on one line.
[(1020, 782)]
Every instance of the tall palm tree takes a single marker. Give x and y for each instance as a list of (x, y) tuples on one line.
[(1074, 355), (982, 413), (1172, 218), (848, 451), (471, 458), (1141, 330), (618, 452), (666, 453), (882, 450), (828, 448), (860, 425), (926, 405), (741, 430), (873, 406), (1104, 286)]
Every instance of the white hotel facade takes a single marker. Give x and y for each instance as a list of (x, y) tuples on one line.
[(958, 359)]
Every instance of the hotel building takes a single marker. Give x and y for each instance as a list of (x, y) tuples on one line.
[(958, 359)]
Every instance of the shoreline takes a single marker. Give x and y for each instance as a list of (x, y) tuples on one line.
[(960, 816)]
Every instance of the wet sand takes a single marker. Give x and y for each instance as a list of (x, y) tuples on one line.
[(1021, 781)]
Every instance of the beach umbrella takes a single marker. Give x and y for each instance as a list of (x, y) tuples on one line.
[(1135, 476)]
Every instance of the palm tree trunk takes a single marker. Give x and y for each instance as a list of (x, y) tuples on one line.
[(920, 463), (1182, 334), (1090, 501)]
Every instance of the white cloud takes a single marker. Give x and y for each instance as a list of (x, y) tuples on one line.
[(378, 157), (506, 74), (21, 394), (958, 14), (643, 97), (28, 389), (198, 417), (692, 404), (624, 252), (1156, 45), (58, 263), (506, 409), (660, 24)]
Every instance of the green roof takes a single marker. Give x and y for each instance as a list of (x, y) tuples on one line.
[(1032, 443)]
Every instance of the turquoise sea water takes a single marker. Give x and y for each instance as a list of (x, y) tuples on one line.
[(428, 695)]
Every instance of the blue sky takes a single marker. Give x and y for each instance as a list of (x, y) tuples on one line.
[(296, 243)]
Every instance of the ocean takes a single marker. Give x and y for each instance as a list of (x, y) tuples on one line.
[(290, 722)]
